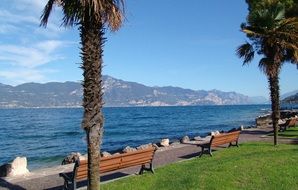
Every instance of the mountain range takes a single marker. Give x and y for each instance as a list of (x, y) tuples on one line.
[(293, 99), (117, 93)]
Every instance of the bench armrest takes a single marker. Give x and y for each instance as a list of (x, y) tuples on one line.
[(66, 176)]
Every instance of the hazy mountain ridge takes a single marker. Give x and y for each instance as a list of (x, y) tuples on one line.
[(293, 99), (117, 93)]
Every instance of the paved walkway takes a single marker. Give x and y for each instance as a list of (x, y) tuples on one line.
[(49, 179)]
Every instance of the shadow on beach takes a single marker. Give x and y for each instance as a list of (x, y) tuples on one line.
[(256, 132), (5, 184), (103, 179)]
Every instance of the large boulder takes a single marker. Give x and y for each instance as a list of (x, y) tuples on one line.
[(263, 121), (5, 169), (185, 139), (19, 166), (72, 158), (165, 142)]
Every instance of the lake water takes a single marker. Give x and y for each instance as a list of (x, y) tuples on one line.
[(46, 136)]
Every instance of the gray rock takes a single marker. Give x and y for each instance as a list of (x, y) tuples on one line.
[(72, 158), (185, 139), (155, 145), (105, 154), (129, 149), (144, 146), (263, 121), (5, 169), (165, 142), (214, 133), (19, 167), (197, 138)]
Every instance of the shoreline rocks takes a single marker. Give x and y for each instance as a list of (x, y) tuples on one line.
[(185, 139), (128, 149), (19, 166), (105, 154), (72, 158), (266, 120), (165, 142)]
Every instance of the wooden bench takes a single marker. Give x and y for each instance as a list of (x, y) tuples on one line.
[(111, 163), (289, 123), (220, 139)]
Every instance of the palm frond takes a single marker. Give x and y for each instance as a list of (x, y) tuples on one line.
[(46, 12), (268, 66), (109, 12), (246, 52)]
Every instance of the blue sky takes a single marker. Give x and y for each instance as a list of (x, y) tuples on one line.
[(189, 44)]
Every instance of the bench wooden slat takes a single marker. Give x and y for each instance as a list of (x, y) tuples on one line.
[(115, 162), (289, 123), (220, 139), (137, 156), (135, 162), (106, 163)]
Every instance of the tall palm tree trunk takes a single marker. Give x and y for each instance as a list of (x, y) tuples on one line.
[(274, 94), (91, 52)]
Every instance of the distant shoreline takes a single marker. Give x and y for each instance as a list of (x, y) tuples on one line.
[(74, 107)]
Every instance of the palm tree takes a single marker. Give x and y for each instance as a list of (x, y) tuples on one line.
[(276, 38), (92, 17)]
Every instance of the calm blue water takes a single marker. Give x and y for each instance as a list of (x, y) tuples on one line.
[(46, 136)]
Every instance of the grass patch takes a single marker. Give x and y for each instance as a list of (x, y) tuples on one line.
[(251, 166), (289, 133)]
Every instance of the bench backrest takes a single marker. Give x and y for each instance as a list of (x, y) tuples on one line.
[(116, 162), (292, 123), (224, 138)]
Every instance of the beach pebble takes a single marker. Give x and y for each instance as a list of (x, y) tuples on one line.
[(165, 142), (128, 149), (5, 169), (185, 139), (72, 158), (19, 166), (105, 154)]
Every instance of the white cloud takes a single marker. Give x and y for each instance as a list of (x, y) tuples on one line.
[(6, 16), (8, 28), (31, 56), (33, 5), (26, 49), (23, 75), (28, 20)]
